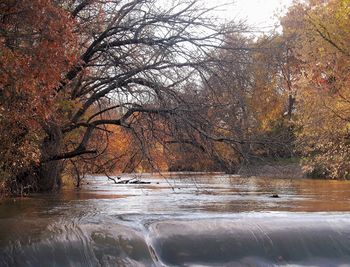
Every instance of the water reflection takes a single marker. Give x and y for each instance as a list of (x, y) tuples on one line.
[(187, 193)]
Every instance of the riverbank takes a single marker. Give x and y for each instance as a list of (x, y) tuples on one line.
[(290, 170)]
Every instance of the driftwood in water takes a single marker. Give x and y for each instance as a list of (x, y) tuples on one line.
[(127, 181)]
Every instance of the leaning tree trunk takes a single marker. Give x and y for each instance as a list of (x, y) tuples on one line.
[(49, 172)]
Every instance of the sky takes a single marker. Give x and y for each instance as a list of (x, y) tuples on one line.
[(258, 13)]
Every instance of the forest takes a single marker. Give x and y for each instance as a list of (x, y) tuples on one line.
[(115, 86)]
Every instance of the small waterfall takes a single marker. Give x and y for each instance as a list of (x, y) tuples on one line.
[(255, 239), (316, 241)]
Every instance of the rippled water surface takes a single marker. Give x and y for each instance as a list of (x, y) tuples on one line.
[(181, 220)]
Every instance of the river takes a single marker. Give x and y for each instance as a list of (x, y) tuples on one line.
[(181, 220)]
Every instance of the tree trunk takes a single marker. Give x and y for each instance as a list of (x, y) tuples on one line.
[(49, 173), (291, 101)]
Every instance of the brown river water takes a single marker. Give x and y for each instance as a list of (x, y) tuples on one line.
[(181, 219)]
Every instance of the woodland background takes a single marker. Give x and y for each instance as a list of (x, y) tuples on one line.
[(103, 86)]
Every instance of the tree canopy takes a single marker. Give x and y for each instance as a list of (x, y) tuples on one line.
[(92, 86)]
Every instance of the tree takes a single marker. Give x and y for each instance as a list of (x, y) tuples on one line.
[(254, 101), (136, 59), (323, 106), (36, 46)]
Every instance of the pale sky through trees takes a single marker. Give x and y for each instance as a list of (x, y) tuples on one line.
[(258, 13)]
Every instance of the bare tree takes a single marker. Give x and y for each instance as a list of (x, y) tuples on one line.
[(137, 58)]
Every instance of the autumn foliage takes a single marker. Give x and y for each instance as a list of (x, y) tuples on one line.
[(36, 48), (323, 31), (123, 86)]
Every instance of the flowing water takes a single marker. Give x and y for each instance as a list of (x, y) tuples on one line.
[(181, 220)]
